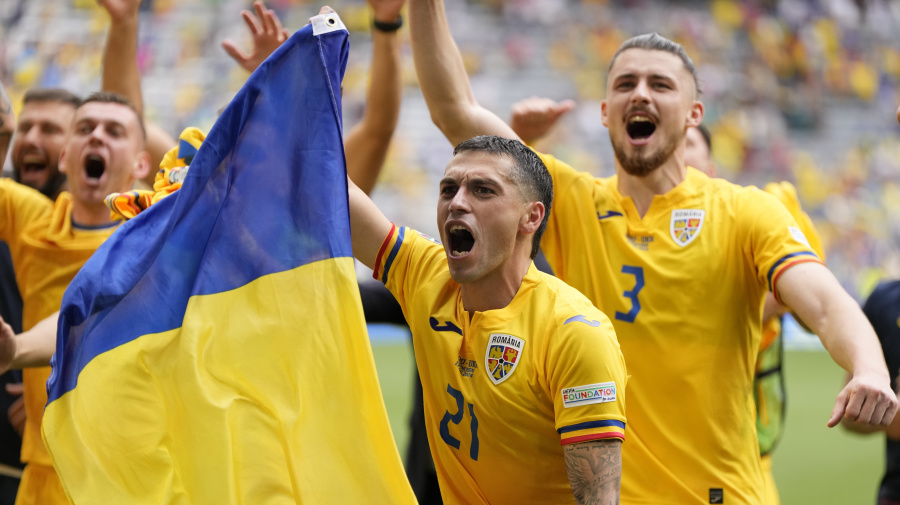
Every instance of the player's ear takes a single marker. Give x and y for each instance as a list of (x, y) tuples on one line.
[(532, 218), (603, 112), (141, 167), (62, 161), (695, 114)]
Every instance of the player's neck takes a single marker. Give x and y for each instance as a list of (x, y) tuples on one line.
[(495, 290), (658, 182), (91, 215)]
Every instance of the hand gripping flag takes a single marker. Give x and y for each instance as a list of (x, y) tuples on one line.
[(213, 349)]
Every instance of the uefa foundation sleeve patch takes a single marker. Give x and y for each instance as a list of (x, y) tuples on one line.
[(591, 393)]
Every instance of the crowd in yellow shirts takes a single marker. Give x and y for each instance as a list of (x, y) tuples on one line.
[(797, 92)]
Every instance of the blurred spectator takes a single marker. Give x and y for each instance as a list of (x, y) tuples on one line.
[(800, 89)]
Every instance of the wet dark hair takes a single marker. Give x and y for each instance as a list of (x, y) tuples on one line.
[(529, 173), (109, 97), (656, 42)]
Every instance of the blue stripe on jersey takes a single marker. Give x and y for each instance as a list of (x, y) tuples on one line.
[(782, 260), (591, 424), (394, 251)]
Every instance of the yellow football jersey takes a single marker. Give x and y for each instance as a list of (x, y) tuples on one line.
[(768, 385), (47, 251), (505, 390), (684, 288)]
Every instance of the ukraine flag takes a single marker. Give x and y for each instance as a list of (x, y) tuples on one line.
[(213, 350)]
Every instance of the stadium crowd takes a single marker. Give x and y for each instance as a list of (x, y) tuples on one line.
[(814, 114)]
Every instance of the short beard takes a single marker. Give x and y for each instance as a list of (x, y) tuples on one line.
[(52, 188), (642, 166)]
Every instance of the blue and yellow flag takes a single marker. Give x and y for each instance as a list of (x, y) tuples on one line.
[(213, 350)]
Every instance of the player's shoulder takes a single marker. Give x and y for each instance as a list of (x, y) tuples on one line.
[(560, 169), (406, 251), (22, 203), (565, 305), (720, 192), (716, 186), (784, 191), (418, 235), (12, 189)]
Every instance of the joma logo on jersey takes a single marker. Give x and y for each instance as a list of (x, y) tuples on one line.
[(591, 393), (685, 225), (502, 355)]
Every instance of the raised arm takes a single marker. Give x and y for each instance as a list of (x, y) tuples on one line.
[(30, 348), (121, 75), (368, 226), (595, 471), (534, 116), (7, 123), (443, 79), (120, 69), (815, 295), (368, 141), (267, 32)]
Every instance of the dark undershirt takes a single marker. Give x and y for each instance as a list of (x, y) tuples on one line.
[(883, 310)]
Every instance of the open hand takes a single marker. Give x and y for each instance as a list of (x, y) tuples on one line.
[(121, 9), (386, 11), (533, 117), (267, 33)]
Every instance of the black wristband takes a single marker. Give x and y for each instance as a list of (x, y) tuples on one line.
[(388, 27)]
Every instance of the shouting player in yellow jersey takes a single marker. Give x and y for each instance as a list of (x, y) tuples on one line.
[(533, 117), (680, 263), (522, 377), (50, 241)]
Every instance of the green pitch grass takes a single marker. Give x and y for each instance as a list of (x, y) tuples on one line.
[(812, 465), (396, 366), (815, 464)]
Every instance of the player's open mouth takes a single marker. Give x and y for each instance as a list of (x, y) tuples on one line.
[(460, 240), (94, 166), (34, 163), (639, 126)]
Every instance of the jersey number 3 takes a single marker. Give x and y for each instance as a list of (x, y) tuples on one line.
[(455, 419), (632, 295)]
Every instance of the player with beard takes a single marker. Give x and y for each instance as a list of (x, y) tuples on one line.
[(680, 263), (40, 135), (50, 241), (533, 117)]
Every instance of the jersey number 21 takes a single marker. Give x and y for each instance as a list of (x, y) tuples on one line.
[(455, 418)]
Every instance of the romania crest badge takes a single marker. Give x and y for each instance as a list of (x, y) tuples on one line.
[(502, 356), (686, 225)]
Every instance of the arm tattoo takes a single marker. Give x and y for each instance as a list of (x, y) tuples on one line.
[(595, 471)]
